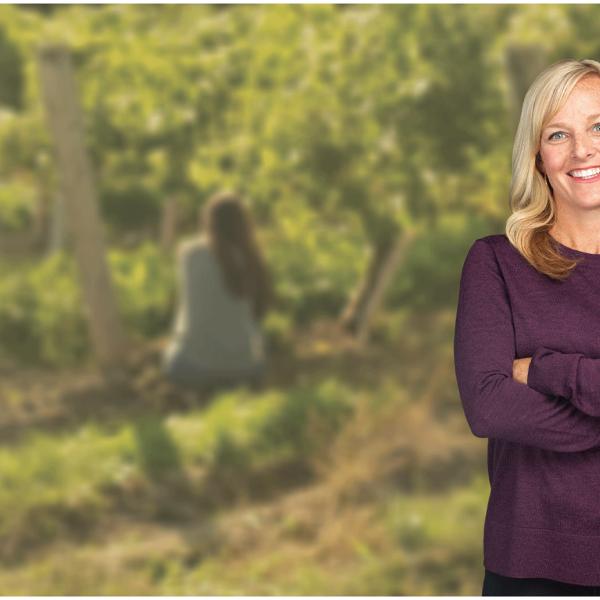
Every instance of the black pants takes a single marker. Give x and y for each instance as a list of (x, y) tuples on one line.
[(499, 585)]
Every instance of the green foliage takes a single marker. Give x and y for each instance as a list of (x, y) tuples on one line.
[(85, 470), (157, 451), (428, 279), (452, 113), (42, 318), (47, 472), (307, 419), (341, 126), (315, 262), (17, 203), (229, 455), (145, 283), (129, 207), (41, 314), (345, 111), (241, 430), (278, 329), (11, 73)]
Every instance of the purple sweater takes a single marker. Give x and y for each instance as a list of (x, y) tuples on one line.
[(543, 514)]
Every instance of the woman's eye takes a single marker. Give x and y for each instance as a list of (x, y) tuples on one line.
[(596, 127), (556, 134)]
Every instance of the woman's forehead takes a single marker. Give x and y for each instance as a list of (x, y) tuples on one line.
[(582, 102)]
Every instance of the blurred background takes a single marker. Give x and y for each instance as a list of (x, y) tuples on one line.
[(372, 144)]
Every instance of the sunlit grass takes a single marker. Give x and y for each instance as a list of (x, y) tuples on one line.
[(409, 545), (239, 431), (127, 503)]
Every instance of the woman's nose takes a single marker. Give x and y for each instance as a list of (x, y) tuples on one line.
[(583, 147)]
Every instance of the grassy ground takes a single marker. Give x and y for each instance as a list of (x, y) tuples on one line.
[(351, 471)]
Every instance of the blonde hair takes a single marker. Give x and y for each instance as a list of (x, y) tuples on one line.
[(531, 198)]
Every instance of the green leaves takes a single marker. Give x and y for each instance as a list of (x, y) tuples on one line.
[(11, 74), (342, 126)]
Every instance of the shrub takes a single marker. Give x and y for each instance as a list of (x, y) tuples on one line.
[(42, 318)]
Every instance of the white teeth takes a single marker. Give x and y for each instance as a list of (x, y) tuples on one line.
[(585, 173)]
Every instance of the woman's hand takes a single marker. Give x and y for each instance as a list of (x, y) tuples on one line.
[(521, 369)]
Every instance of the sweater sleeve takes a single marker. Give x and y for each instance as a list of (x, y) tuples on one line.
[(495, 404), (572, 376)]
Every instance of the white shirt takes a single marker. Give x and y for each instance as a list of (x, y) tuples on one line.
[(213, 328)]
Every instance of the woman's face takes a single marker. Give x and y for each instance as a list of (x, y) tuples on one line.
[(570, 147)]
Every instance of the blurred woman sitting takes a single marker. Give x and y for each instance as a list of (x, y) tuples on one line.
[(225, 291)]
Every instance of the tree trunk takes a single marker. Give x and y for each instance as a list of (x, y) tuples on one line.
[(523, 63), (168, 223), (56, 239), (66, 126), (39, 230), (387, 256)]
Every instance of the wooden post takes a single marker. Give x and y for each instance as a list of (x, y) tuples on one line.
[(66, 126)]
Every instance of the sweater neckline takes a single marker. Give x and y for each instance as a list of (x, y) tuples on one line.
[(573, 252)]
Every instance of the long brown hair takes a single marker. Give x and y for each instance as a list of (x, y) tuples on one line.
[(232, 237)]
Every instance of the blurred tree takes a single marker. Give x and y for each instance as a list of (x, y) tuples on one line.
[(64, 118), (383, 108), (353, 131), (524, 62)]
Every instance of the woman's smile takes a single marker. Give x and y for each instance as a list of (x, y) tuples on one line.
[(585, 175)]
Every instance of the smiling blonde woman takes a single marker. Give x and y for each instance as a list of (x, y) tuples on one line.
[(527, 347)]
